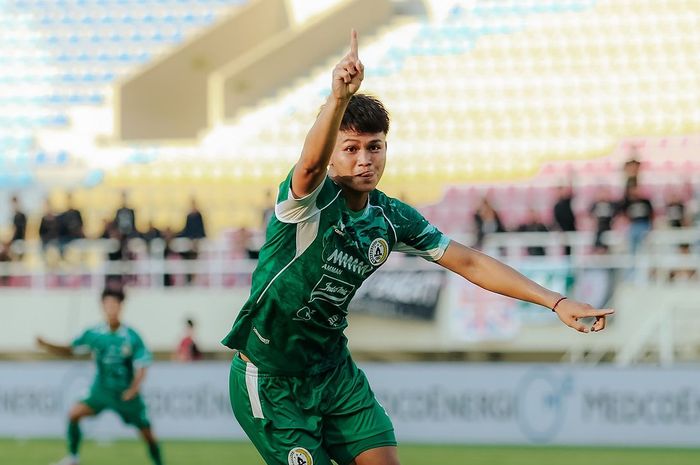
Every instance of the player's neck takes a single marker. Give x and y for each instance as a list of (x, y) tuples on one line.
[(114, 327), (356, 201)]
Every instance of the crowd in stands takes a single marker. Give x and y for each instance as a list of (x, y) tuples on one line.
[(58, 230), (633, 208)]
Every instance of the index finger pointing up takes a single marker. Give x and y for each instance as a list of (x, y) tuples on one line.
[(353, 43)]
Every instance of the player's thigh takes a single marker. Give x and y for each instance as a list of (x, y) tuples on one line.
[(97, 400), (356, 422), (387, 455), (80, 410), (362, 438), (133, 412), (265, 408)]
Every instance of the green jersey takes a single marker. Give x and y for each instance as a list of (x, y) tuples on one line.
[(316, 255), (117, 355)]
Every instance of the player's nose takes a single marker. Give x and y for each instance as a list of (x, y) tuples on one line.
[(364, 158)]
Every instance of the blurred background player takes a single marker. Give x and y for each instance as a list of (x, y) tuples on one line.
[(295, 389), (122, 359)]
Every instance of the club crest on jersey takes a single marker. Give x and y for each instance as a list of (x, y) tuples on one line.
[(378, 251), (126, 350), (300, 456)]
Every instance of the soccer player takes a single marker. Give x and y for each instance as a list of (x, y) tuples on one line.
[(122, 360), (294, 388)]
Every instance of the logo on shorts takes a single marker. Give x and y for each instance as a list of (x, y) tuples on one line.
[(300, 456), (378, 251)]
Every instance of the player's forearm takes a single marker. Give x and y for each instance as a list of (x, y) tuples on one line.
[(320, 140), (495, 276), (64, 351), (138, 379)]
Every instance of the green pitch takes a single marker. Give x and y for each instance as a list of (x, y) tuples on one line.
[(43, 452)]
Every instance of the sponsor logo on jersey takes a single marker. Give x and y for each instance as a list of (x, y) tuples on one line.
[(300, 456), (332, 290), (378, 251), (332, 269), (350, 263), (304, 314), (262, 339)]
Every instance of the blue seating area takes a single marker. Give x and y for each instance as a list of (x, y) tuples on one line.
[(56, 54)]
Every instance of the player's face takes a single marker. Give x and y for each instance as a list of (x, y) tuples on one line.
[(358, 160), (112, 309)]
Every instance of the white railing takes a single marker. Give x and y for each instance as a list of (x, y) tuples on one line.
[(85, 263)]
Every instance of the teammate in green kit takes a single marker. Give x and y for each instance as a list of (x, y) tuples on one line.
[(294, 388), (122, 359)]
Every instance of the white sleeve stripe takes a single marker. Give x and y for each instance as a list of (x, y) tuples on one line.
[(433, 254), (295, 210), (251, 383), (306, 234)]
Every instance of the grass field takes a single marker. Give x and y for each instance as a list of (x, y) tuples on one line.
[(43, 452)]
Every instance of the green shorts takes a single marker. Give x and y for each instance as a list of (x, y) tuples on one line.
[(309, 420), (132, 412)]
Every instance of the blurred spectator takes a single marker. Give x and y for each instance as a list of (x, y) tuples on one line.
[(194, 223), (187, 350), (5, 257), (564, 217), (486, 221), (116, 253), (151, 234), (640, 213), (603, 211), (70, 224), (533, 223), (168, 254), (194, 231), (675, 211), (631, 167), (125, 219), (49, 228), (19, 221), (19, 228), (683, 274), (243, 242)]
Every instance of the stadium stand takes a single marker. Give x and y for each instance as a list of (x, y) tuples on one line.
[(512, 97)]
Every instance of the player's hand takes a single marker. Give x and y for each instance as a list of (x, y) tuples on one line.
[(571, 311), (129, 394), (349, 73)]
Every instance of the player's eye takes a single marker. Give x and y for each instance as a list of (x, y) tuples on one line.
[(351, 149), (375, 148)]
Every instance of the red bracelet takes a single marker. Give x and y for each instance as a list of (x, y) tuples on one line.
[(558, 302)]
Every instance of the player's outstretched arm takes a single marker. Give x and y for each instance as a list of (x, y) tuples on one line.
[(492, 275), (310, 170), (65, 351)]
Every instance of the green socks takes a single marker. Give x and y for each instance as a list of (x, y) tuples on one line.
[(154, 452), (74, 437)]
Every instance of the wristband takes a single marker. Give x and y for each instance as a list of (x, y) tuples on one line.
[(558, 302)]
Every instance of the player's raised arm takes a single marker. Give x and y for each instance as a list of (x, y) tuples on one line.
[(492, 275), (65, 351), (310, 170)]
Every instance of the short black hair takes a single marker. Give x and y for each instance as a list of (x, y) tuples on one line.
[(190, 323), (116, 293), (365, 114)]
